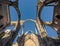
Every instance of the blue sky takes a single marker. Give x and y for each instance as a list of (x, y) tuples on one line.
[(28, 10)]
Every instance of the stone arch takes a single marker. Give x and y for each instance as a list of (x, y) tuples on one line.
[(33, 21), (33, 39)]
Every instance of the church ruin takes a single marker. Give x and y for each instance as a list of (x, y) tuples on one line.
[(26, 39)]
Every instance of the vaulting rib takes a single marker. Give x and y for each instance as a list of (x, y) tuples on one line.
[(17, 27), (9, 39), (39, 22), (55, 24), (56, 18), (4, 17)]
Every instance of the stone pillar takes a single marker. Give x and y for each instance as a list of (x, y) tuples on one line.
[(4, 14)]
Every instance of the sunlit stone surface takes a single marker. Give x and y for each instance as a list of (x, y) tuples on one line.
[(16, 44), (30, 40), (29, 43)]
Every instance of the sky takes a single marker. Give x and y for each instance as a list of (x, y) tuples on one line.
[(28, 9)]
